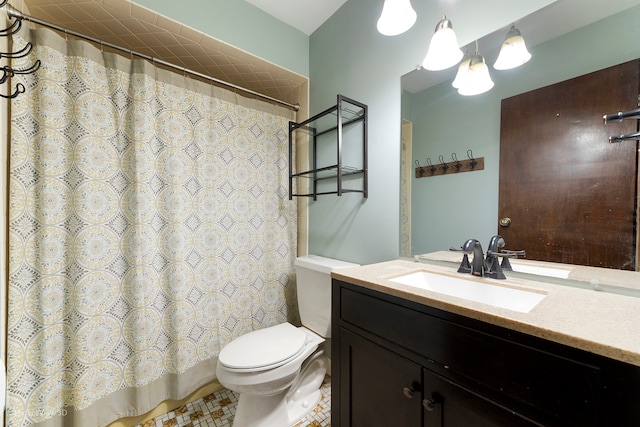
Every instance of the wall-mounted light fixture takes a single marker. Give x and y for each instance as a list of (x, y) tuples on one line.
[(462, 71), (475, 79), (513, 52), (473, 76), (396, 18), (443, 49)]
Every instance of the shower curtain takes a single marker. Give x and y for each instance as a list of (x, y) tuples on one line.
[(149, 225)]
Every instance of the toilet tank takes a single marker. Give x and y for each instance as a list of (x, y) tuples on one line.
[(313, 277)]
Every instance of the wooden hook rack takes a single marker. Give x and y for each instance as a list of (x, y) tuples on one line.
[(450, 168)]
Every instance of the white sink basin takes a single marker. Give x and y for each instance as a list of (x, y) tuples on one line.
[(559, 273), (495, 295)]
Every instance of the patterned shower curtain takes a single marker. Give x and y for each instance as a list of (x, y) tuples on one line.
[(149, 226)]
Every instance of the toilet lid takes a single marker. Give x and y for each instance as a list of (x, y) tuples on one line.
[(263, 349)]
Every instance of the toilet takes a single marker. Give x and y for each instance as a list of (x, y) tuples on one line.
[(278, 370)]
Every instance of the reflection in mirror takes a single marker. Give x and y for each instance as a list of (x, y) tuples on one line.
[(567, 39)]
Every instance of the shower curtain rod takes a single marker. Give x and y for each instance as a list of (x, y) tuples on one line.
[(15, 13)]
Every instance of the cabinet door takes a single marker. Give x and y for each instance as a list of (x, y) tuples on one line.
[(447, 404), (378, 388)]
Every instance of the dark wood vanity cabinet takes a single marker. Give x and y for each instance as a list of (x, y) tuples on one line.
[(403, 364), (386, 387), (447, 403)]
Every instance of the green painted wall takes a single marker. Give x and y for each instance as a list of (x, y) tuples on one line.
[(348, 56), (242, 25), (451, 209)]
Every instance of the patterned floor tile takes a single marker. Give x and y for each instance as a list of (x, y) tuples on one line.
[(219, 408)]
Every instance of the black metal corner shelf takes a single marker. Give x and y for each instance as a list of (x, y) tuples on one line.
[(331, 124)]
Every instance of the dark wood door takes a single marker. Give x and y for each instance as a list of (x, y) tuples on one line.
[(378, 387), (570, 196)]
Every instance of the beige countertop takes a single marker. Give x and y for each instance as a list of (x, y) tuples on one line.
[(606, 279), (604, 323)]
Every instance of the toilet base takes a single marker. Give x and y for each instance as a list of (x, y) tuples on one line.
[(304, 393), (261, 411), (289, 406)]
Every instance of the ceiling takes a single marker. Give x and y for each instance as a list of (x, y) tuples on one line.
[(305, 15), (124, 23), (552, 21), (127, 24)]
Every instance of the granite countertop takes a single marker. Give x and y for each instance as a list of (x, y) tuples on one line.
[(611, 280), (603, 323)]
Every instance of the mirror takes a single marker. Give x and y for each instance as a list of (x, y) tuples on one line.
[(567, 39)]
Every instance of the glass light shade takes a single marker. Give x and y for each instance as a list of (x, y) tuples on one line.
[(443, 50), (396, 18), (462, 73), (477, 79), (513, 52)]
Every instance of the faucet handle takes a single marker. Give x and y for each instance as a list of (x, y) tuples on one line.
[(513, 254), (506, 254)]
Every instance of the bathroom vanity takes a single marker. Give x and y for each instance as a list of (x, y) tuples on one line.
[(407, 356)]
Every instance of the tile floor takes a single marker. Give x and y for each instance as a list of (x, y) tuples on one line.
[(218, 409)]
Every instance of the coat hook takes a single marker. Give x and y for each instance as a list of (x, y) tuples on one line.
[(30, 70), (444, 166), (19, 89), (8, 72), (420, 170), (13, 28), (4, 3), (19, 54), (473, 162), (432, 168), (458, 165)]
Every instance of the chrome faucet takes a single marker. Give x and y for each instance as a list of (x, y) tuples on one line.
[(495, 244), (494, 269), (490, 266), (478, 266), (496, 250)]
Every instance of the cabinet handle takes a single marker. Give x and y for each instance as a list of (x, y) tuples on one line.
[(408, 392), (429, 404)]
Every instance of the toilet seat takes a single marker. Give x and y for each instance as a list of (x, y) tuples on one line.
[(263, 349)]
